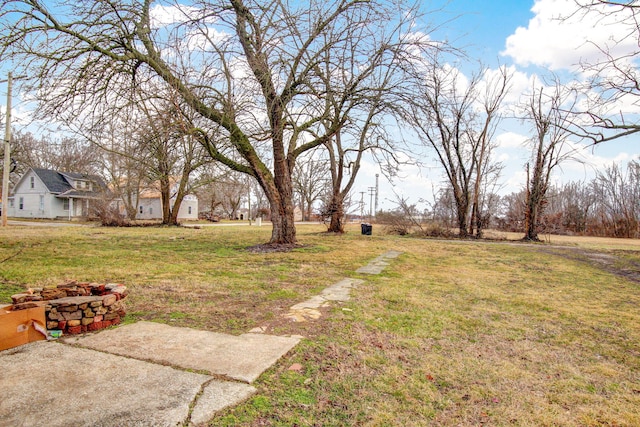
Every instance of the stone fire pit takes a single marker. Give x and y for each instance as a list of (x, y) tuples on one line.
[(75, 307)]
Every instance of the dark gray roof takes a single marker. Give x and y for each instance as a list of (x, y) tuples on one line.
[(53, 180), (62, 182)]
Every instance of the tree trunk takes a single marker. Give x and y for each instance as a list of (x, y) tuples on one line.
[(531, 231), (282, 218), (337, 213), (535, 202), (165, 196), (279, 192), (175, 209), (462, 208)]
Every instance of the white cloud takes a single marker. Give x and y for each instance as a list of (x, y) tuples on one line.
[(162, 16), (511, 140), (205, 38), (560, 37), (515, 182)]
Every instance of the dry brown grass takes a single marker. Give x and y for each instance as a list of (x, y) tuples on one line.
[(453, 333)]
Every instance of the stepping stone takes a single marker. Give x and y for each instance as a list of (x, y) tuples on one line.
[(308, 310), (377, 265)]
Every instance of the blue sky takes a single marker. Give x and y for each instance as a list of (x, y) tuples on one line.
[(523, 35), (528, 37), (481, 27)]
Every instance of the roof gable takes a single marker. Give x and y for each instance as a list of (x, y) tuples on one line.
[(54, 181)]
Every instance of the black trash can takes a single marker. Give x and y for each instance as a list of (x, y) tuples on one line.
[(366, 229)]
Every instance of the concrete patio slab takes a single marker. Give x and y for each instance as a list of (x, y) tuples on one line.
[(216, 396), (51, 384), (241, 358)]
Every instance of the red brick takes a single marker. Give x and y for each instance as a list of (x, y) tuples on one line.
[(74, 330), (62, 324), (95, 326), (115, 321)]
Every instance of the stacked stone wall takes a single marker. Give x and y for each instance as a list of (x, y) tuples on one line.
[(76, 307)]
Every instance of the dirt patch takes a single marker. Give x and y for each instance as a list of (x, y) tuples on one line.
[(621, 263), (273, 247)]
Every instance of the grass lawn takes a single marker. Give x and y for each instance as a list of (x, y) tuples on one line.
[(451, 333)]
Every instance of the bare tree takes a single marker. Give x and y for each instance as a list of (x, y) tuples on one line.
[(123, 162), (246, 68), (174, 154), (63, 154), (613, 78), (618, 200), (548, 113), (310, 181), (363, 88), (577, 203), (511, 213), (456, 120)]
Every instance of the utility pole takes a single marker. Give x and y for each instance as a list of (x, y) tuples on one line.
[(372, 191), (375, 211), (7, 154), (362, 205)]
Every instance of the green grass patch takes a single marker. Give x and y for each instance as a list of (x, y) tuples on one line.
[(451, 333)]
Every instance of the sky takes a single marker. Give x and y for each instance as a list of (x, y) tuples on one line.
[(528, 38), (524, 36)]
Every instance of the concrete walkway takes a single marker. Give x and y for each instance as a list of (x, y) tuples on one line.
[(134, 375), (147, 374)]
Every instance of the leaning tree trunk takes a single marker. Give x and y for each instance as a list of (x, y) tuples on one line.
[(175, 209)]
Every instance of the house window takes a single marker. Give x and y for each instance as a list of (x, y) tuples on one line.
[(65, 204), (189, 210), (32, 182), (12, 203), (42, 203), (151, 211), (141, 209), (21, 204)]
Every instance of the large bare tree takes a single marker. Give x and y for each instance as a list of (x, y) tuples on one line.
[(247, 68), (456, 118), (548, 112), (363, 90)]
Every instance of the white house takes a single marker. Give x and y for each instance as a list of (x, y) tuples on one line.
[(49, 194), (150, 206)]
